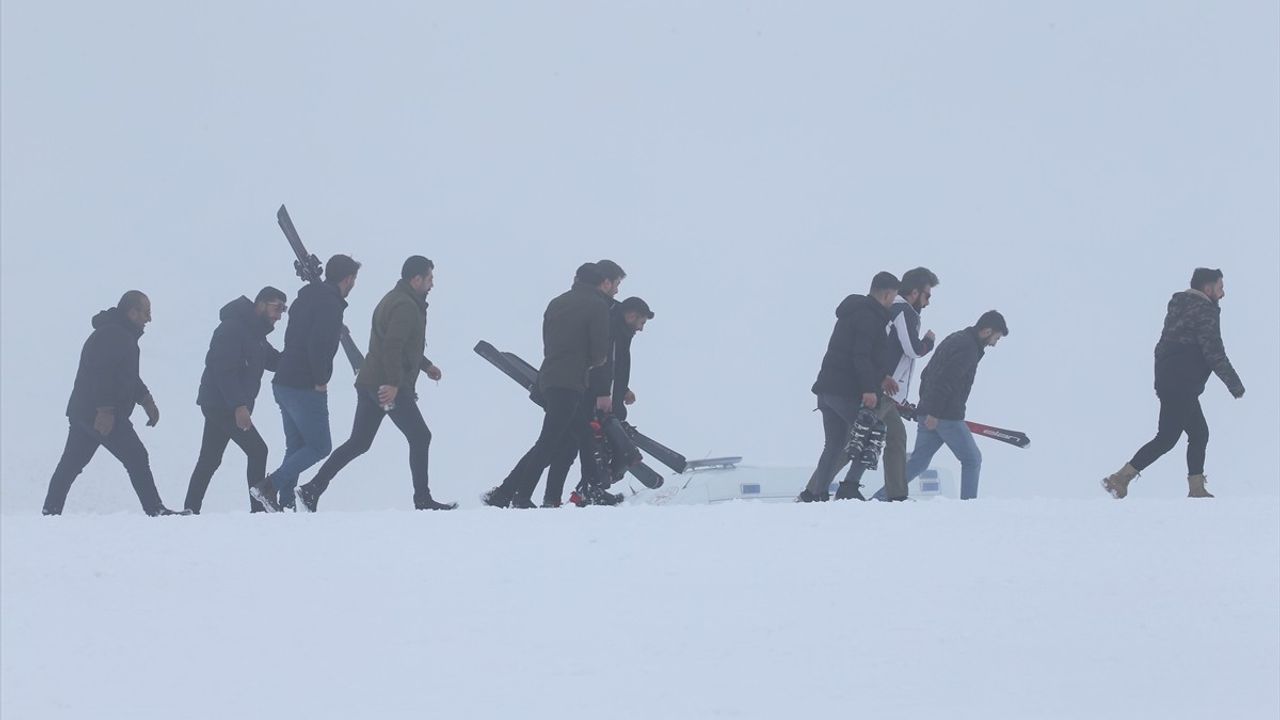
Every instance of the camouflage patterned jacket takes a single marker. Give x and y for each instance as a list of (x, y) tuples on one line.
[(1190, 347)]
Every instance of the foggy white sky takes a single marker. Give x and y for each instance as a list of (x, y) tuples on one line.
[(749, 164)]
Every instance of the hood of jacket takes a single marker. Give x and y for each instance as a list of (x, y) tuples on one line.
[(114, 317)]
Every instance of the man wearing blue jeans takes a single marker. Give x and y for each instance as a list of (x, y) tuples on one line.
[(302, 379), (944, 392)]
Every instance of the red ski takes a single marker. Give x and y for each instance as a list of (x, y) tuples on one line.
[(1013, 437)]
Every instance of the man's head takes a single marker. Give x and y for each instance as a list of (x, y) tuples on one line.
[(635, 312), (341, 270), (884, 287), (419, 273), (136, 306), (1209, 282), (613, 275), (917, 287), (588, 274), (270, 305), (991, 327)]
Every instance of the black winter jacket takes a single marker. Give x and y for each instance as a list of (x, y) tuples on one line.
[(108, 372), (311, 338), (614, 377), (238, 355), (1190, 347), (855, 355), (946, 382)]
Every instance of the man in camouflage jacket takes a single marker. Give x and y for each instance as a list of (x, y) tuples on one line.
[(1190, 349)]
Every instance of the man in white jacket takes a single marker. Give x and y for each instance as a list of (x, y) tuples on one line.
[(905, 346)]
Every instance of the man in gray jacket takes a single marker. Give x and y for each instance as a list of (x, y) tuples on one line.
[(575, 338)]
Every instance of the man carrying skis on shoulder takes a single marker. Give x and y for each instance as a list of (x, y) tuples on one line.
[(1190, 349)]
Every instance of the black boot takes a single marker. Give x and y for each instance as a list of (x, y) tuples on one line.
[(849, 491), (307, 498), (163, 511), (496, 497), (429, 504), (808, 497), (264, 493)]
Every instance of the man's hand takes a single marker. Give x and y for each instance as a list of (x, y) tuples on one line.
[(105, 421), (243, 421), (629, 398), (929, 337), (387, 395), (1237, 392), (890, 386), (604, 404), (434, 373), (931, 422), (869, 400), (153, 412), (322, 388)]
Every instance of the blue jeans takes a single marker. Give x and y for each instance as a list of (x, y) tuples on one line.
[(306, 435), (957, 436)]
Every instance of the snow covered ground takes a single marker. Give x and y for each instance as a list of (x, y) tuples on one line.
[(991, 609)]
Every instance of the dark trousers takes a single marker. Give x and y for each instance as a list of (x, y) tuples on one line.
[(571, 448), (564, 416), (369, 414), (82, 443), (219, 429), (1179, 413)]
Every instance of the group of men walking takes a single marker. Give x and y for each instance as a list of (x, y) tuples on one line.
[(867, 371), (869, 364), (108, 387)]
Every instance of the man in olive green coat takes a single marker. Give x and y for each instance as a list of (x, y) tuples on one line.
[(385, 385)]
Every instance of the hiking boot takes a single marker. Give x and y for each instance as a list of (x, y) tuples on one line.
[(849, 491), (429, 504), (808, 497), (1195, 485), (497, 497), (1118, 482), (307, 498), (262, 492), (550, 504)]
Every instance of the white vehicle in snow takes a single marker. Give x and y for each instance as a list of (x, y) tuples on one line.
[(723, 479)]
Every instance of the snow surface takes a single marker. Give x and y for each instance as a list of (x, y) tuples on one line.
[(991, 609)]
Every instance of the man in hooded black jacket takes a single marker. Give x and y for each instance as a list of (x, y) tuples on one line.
[(107, 389), (852, 375), (238, 355)]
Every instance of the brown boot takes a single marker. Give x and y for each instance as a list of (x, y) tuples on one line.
[(1118, 482), (1195, 485)]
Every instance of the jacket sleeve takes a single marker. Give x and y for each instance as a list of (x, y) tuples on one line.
[(866, 366), (1209, 337), (598, 335), (271, 358), (908, 334), (323, 343), (395, 335), (621, 366), (939, 396), (224, 363)]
